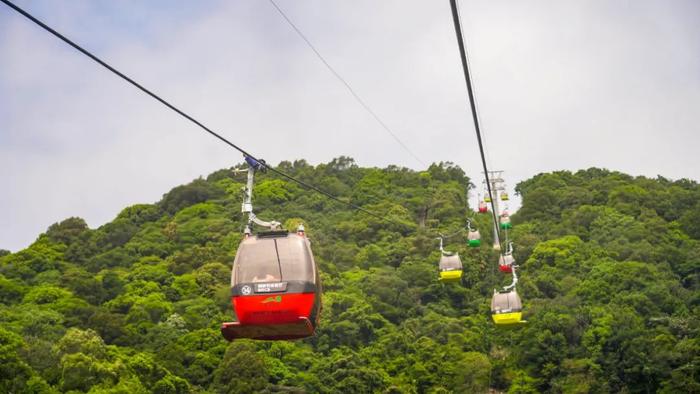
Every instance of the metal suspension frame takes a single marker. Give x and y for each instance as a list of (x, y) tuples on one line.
[(441, 237), (514, 268), (442, 250), (509, 249), (247, 205), (515, 280), (469, 225)]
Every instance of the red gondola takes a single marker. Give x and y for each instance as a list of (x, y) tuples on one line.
[(483, 208), (275, 288), (506, 262), (506, 269)]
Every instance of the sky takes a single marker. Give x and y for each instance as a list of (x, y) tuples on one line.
[(560, 85)]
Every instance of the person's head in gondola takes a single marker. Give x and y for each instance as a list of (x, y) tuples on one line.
[(265, 278)]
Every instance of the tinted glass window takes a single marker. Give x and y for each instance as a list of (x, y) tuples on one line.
[(506, 302), (256, 261), (450, 262), (295, 258)]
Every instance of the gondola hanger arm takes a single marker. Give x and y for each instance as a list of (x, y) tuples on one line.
[(469, 225), (515, 280), (247, 206), (441, 248), (272, 225)]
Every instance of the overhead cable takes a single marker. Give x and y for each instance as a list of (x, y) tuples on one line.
[(475, 117), (185, 115), (342, 80)]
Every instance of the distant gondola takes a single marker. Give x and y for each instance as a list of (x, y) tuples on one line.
[(505, 221), (450, 267), (473, 237), (506, 261)]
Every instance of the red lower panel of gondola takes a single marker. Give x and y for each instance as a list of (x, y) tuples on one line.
[(505, 268), (273, 308), (302, 328), (271, 316)]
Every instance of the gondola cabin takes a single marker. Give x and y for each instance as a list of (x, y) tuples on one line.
[(504, 196), (505, 263), (505, 222), (275, 288), (506, 308), (474, 238), (450, 268), (487, 198), (483, 208)]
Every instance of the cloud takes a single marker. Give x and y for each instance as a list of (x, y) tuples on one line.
[(560, 85)]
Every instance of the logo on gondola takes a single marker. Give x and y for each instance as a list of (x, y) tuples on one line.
[(246, 290), (272, 299)]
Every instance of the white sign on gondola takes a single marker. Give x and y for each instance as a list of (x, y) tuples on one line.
[(270, 287)]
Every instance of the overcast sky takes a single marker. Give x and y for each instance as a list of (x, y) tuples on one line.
[(559, 84)]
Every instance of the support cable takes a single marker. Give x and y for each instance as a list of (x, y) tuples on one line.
[(186, 116), (347, 85), (475, 117)]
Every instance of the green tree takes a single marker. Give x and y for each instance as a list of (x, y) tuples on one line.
[(241, 370)]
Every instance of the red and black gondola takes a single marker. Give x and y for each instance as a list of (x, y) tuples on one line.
[(275, 288)]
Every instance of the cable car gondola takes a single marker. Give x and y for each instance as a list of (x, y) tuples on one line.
[(483, 208), (505, 264), (487, 192), (506, 306), (474, 238), (275, 284), (505, 221), (504, 196), (275, 288), (450, 265), (506, 261)]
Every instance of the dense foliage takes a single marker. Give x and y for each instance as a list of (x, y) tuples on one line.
[(610, 268)]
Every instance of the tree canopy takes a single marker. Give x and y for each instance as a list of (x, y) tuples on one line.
[(610, 281)]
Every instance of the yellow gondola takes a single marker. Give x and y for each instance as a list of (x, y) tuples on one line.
[(506, 308), (504, 196), (504, 319), (450, 268)]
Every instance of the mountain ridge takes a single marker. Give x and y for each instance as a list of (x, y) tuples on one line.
[(609, 278)]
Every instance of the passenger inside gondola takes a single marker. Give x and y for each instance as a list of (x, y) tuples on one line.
[(267, 278)]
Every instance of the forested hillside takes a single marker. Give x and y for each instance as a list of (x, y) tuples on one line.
[(610, 281)]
